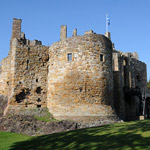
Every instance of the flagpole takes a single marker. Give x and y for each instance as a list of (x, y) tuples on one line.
[(106, 23)]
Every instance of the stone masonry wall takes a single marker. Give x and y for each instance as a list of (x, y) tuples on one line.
[(129, 75), (16, 30), (83, 86), (119, 102), (5, 76), (63, 32), (77, 77), (29, 88), (139, 71)]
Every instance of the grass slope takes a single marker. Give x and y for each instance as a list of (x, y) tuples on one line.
[(7, 139), (119, 136)]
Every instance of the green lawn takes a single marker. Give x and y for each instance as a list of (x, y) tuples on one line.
[(119, 136), (8, 139)]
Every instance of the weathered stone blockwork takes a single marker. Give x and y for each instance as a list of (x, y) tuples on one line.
[(16, 30), (82, 86), (5, 76), (30, 83), (130, 80), (24, 72), (80, 78)]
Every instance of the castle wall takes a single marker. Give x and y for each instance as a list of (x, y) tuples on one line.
[(5, 76), (118, 77), (29, 86), (129, 83), (82, 86), (76, 78), (139, 72)]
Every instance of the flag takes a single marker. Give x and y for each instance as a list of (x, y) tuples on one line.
[(108, 21)]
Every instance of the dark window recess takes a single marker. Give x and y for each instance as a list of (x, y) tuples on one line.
[(26, 104), (22, 95), (27, 65), (38, 106), (138, 77), (38, 100), (101, 57), (80, 89), (36, 80), (69, 56), (47, 59), (38, 90)]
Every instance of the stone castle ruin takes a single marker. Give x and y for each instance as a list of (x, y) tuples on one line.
[(79, 78)]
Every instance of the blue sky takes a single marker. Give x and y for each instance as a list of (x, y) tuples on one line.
[(41, 20)]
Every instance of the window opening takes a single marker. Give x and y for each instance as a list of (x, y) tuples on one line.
[(80, 89), (138, 77), (101, 57), (38, 100), (27, 65), (22, 95), (38, 90), (69, 57), (38, 106)]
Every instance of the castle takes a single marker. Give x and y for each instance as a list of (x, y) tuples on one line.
[(82, 77)]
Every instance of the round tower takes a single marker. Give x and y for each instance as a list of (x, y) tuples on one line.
[(80, 78)]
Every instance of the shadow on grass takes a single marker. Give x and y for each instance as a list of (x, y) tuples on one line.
[(121, 136)]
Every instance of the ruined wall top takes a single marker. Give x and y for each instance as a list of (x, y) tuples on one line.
[(74, 32), (127, 54), (89, 32), (63, 32), (16, 29), (19, 36)]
